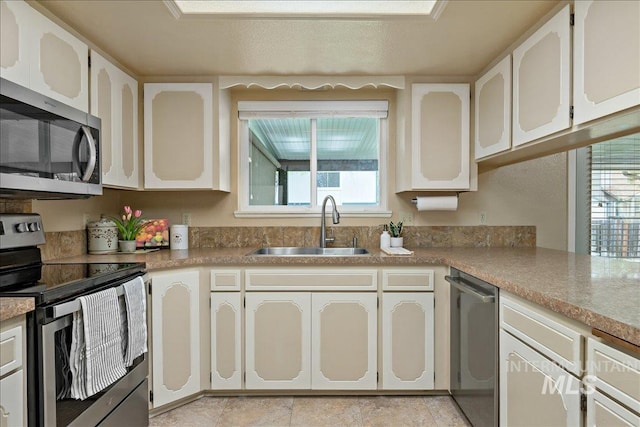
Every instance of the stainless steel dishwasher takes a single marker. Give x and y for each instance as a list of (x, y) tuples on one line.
[(474, 348)]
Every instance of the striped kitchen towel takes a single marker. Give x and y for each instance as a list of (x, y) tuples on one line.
[(100, 358), (135, 299)]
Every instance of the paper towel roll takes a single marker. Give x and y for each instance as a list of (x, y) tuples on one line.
[(437, 203)]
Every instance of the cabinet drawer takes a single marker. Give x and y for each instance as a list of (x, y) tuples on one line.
[(225, 279), (409, 279), (335, 279), (615, 373), (550, 337), (10, 350)]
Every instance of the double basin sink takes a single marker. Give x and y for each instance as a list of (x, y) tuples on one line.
[(309, 251)]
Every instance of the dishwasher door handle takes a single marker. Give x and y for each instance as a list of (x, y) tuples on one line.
[(468, 289)]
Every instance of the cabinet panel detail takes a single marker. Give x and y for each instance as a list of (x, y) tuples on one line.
[(541, 81), (493, 110), (278, 340), (344, 346), (606, 60), (407, 341), (311, 279), (226, 314), (533, 388), (413, 279), (602, 411)]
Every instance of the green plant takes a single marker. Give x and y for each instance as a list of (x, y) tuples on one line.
[(130, 223), (395, 229)]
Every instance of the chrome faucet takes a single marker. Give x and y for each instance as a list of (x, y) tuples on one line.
[(335, 216)]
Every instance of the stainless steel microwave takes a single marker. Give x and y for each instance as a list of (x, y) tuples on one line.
[(48, 150)]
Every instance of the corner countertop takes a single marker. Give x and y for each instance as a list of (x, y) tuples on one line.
[(602, 293)]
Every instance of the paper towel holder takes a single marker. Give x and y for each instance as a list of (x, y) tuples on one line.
[(415, 200)]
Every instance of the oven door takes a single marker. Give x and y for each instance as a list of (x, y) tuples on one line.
[(47, 147), (121, 400)]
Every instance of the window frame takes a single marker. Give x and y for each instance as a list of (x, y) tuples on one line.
[(312, 110)]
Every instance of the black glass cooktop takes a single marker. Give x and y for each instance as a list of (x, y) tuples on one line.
[(55, 282)]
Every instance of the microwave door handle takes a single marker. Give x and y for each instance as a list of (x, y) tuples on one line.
[(91, 165)]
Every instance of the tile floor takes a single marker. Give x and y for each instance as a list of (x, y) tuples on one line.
[(385, 411)]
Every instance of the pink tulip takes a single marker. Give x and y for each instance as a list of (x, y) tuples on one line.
[(137, 213), (127, 209)]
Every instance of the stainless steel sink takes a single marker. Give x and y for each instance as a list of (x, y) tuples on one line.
[(313, 251)]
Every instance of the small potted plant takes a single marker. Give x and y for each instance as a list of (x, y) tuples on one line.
[(129, 224), (395, 229)]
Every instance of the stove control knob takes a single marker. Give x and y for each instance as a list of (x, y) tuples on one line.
[(34, 226), (22, 227)]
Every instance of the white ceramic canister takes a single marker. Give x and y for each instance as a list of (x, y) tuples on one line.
[(102, 236), (179, 236)]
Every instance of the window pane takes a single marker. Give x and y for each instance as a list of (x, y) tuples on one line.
[(280, 162), (615, 198), (348, 160)]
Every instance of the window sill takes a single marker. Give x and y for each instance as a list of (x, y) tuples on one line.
[(310, 214)]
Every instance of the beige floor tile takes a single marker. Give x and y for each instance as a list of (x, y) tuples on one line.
[(326, 411), (445, 412), (395, 411), (256, 411), (203, 412)]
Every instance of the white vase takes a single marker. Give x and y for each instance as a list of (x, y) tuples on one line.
[(127, 246), (396, 242)]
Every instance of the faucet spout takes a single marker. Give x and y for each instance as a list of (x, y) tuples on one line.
[(335, 217)]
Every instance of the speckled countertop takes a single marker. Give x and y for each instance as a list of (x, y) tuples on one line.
[(600, 292), (12, 307)]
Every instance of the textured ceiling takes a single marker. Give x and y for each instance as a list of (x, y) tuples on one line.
[(146, 38)]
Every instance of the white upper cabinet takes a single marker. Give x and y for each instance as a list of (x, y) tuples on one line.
[(439, 137), (114, 98), (14, 49), (606, 58), (40, 55), (541, 81), (493, 110)]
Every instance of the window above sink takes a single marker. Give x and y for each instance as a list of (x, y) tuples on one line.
[(294, 153)]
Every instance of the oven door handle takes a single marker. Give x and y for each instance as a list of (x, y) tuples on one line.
[(469, 289), (67, 308)]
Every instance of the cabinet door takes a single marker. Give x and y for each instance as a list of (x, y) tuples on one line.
[(604, 412), (493, 110), (344, 345), (541, 81), (114, 96), (178, 135), (534, 390), (11, 400), (407, 341), (14, 43), (226, 335), (606, 63), (176, 335), (58, 66), (440, 136), (277, 346)]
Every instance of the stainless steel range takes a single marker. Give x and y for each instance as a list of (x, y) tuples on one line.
[(57, 289)]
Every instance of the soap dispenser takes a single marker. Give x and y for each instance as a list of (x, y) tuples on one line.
[(385, 238)]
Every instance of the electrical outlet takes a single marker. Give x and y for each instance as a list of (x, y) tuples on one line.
[(406, 217), (186, 219), (483, 218), (86, 218)]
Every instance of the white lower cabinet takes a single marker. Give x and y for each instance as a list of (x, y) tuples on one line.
[(533, 389), (175, 331), (304, 340), (278, 340), (226, 333), (604, 412), (407, 341), (344, 344), (11, 405)]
